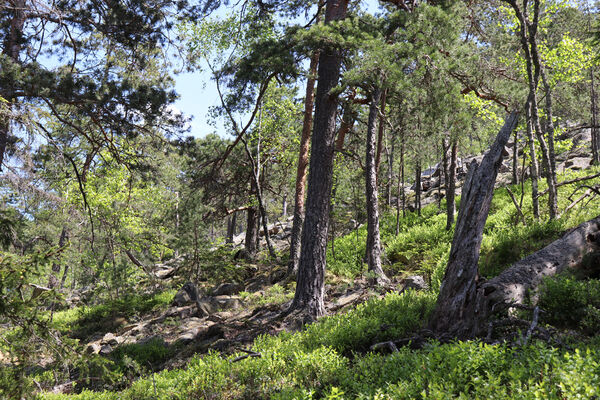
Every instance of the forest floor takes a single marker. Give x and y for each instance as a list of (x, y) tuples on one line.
[(161, 344)]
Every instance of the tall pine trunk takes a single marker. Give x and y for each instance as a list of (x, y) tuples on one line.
[(373, 238), (301, 170), (311, 270)]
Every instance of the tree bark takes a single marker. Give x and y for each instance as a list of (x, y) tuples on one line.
[(301, 170), (311, 270), (373, 238), (456, 312)]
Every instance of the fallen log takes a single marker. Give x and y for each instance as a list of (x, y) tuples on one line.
[(513, 285)]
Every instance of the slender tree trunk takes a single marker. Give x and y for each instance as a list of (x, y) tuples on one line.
[(418, 186), (284, 207), (445, 167), (258, 193), (515, 159), (533, 167), (456, 311), (380, 133), (594, 113), (301, 170), (552, 182), (549, 131), (251, 239), (311, 271), (401, 193), (53, 281), (390, 174), (348, 119), (12, 49), (528, 34), (451, 186), (231, 222), (373, 238)]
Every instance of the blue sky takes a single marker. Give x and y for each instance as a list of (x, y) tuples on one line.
[(197, 93)]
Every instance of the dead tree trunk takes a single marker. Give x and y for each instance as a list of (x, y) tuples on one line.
[(513, 285), (373, 238), (456, 312)]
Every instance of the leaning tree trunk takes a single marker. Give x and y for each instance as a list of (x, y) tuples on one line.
[(301, 170), (373, 238), (311, 270), (455, 312)]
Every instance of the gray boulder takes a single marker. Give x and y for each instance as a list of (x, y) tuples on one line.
[(188, 294), (415, 282), (227, 289)]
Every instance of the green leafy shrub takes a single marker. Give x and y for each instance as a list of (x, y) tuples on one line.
[(570, 303)]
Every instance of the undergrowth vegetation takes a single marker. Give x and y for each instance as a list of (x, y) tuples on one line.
[(330, 359)]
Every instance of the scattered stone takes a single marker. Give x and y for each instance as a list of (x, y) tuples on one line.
[(188, 294), (93, 348), (220, 316), (227, 289), (110, 339), (205, 306), (347, 299), (165, 272), (255, 284), (277, 275), (578, 163), (106, 349), (416, 282), (227, 302)]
